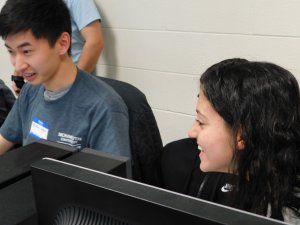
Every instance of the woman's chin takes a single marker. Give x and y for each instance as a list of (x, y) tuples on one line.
[(204, 168)]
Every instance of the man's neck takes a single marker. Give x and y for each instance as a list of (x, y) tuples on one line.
[(64, 76)]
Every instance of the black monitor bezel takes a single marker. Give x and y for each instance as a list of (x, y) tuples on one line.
[(126, 200)]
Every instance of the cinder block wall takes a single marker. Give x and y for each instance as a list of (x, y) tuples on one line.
[(162, 47)]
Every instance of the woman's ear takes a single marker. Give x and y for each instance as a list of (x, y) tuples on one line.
[(240, 142), (63, 43)]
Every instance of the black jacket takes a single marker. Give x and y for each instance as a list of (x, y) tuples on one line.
[(7, 100), (181, 173)]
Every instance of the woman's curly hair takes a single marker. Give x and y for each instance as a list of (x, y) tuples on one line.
[(261, 102)]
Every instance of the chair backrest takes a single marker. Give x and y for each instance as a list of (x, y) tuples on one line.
[(145, 139), (180, 167)]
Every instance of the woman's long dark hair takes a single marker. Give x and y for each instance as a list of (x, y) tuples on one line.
[(261, 102)]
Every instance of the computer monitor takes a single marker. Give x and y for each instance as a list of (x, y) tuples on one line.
[(16, 193), (68, 194), (17, 204), (15, 164), (103, 162)]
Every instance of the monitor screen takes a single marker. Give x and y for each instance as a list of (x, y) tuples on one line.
[(69, 194)]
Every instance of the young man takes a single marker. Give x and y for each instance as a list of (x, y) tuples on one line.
[(87, 39), (59, 102)]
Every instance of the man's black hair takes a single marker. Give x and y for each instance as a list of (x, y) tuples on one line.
[(45, 18)]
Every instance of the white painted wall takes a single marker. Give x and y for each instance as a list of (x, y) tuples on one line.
[(162, 47)]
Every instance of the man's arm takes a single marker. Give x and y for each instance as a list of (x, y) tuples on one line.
[(94, 43), (5, 145)]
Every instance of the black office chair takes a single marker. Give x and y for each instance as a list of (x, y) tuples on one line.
[(180, 167), (145, 139)]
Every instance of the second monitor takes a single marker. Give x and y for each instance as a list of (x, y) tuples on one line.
[(67, 194)]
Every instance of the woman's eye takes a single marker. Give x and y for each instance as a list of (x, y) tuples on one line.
[(199, 122)]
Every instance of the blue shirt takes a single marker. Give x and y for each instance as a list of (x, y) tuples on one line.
[(83, 12)]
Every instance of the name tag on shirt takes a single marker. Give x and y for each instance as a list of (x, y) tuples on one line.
[(39, 129)]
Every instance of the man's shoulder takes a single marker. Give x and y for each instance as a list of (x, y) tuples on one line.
[(97, 90), (30, 91), (92, 83)]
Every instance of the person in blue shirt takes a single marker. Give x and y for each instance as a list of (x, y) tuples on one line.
[(87, 37), (59, 102)]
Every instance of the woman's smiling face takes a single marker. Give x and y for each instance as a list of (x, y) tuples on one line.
[(214, 138)]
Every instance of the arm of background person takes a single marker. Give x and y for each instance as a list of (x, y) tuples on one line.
[(5, 145), (94, 43)]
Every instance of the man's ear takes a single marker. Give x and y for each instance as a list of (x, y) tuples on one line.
[(240, 142), (63, 43)]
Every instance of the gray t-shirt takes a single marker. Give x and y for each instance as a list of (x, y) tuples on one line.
[(91, 114)]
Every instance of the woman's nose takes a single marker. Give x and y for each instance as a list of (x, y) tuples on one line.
[(192, 133)]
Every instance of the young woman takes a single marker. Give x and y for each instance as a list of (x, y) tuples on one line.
[(248, 125)]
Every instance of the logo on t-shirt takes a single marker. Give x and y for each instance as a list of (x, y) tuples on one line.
[(227, 187), (69, 139)]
